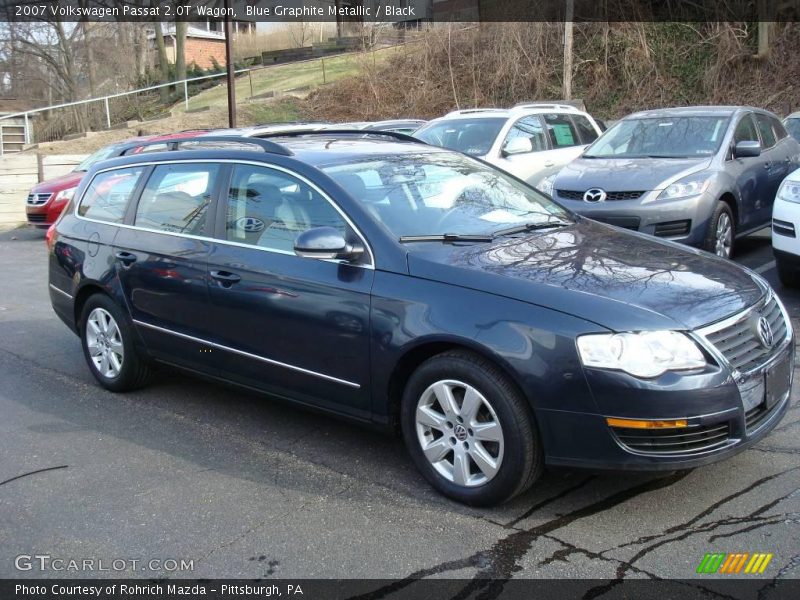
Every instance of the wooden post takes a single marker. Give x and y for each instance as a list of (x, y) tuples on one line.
[(40, 167), (322, 60), (231, 76), (250, 77), (568, 17)]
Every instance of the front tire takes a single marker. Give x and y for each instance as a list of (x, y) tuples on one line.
[(721, 231), (469, 430), (108, 346)]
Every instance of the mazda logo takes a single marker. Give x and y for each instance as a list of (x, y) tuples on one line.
[(764, 331), (594, 195)]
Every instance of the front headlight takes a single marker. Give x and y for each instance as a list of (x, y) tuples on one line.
[(647, 354), (546, 184), (789, 191), (693, 185), (65, 194)]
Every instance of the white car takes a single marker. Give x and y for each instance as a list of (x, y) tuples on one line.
[(532, 141), (785, 227)]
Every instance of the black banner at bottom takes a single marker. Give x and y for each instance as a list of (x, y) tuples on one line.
[(401, 589)]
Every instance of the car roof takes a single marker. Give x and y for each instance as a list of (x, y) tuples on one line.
[(794, 115), (693, 111)]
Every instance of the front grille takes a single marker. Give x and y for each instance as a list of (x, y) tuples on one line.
[(624, 222), (38, 199), (783, 228), (739, 343), (688, 440), (755, 416), (37, 218), (610, 196), (673, 228)]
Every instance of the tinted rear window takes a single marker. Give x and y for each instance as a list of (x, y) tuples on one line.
[(793, 127)]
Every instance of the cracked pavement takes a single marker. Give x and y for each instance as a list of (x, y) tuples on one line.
[(249, 487)]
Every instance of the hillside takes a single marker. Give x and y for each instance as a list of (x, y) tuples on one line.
[(618, 68)]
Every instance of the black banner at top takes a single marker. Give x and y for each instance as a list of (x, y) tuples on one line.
[(401, 12)]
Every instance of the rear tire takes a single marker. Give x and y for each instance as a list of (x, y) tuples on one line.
[(482, 449), (721, 233), (788, 274), (108, 345)]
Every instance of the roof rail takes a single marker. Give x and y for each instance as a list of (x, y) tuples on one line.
[(402, 137), (469, 111), (175, 144), (551, 105)]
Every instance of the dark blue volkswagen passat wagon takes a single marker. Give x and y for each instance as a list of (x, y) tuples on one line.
[(410, 286)]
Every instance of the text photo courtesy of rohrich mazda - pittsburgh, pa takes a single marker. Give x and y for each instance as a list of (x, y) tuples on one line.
[(410, 300)]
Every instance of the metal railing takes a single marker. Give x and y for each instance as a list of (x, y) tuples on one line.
[(184, 82)]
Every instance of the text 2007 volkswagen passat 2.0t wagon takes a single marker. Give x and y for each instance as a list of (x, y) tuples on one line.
[(380, 278)]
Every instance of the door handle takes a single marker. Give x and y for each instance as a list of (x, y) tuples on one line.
[(126, 258), (225, 279), (549, 163), (767, 165)]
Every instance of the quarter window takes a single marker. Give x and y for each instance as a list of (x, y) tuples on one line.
[(745, 131), (529, 128), (269, 208), (106, 198), (176, 198), (561, 131), (765, 128)]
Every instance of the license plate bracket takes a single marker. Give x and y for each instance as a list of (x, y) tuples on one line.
[(778, 380)]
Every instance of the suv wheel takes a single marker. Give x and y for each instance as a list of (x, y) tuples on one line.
[(108, 347), (721, 231), (469, 431)]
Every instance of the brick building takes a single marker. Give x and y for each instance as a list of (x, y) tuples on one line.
[(203, 45)]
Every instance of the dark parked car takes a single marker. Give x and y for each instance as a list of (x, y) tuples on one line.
[(406, 285), (703, 176), (792, 124)]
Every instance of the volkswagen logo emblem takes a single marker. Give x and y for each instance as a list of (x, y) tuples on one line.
[(764, 331), (249, 224), (460, 432), (594, 195)]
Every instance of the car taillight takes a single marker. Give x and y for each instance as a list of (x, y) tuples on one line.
[(50, 236)]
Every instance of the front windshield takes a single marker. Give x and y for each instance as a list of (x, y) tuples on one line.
[(470, 136), (661, 137), (793, 127), (96, 156), (437, 193)]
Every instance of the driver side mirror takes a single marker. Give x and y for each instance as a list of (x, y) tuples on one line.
[(326, 243), (519, 145), (747, 149)]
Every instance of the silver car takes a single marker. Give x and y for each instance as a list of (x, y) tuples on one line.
[(702, 176)]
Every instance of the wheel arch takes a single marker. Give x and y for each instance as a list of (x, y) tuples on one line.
[(414, 355), (729, 199)]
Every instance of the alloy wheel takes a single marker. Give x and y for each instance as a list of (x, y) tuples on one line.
[(723, 236), (104, 341), (459, 433)]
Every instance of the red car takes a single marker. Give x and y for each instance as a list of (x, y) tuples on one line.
[(48, 198)]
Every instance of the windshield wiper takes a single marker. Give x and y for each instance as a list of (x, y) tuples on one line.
[(533, 226), (447, 237)]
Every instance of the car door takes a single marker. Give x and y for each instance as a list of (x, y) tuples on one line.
[(533, 160), (297, 327), (749, 174), (565, 141), (775, 164), (161, 260)]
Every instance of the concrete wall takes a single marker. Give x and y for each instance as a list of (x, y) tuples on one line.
[(19, 173)]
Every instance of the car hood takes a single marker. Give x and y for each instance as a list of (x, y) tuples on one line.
[(618, 279), (626, 174), (56, 184)]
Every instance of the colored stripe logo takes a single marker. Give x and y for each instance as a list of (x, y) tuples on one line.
[(738, 562)]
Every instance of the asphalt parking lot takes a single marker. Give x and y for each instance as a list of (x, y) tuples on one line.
[(245, 486)]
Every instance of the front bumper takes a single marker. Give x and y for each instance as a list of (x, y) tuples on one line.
[(733, 417), (684, 221)]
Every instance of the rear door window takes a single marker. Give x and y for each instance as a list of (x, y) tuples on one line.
[(106, 198), (176, 198), (561, 130)]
